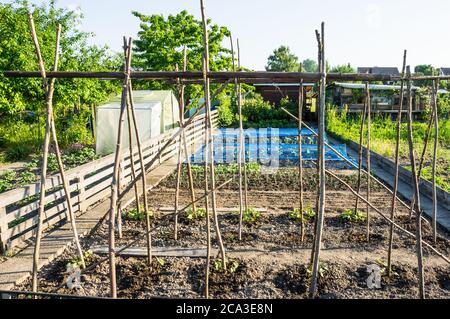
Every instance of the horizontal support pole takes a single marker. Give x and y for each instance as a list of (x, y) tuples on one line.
[(224, 76)]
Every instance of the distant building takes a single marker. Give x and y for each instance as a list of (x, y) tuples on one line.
[(274, 93), (445, 71), (384, 98), (392, 71)]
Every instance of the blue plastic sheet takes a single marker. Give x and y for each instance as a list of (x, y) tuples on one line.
[(269, 146)]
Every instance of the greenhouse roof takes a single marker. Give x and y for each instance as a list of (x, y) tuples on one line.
[(141, 96)]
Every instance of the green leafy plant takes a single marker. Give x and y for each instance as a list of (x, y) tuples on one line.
[(308, 214), (75, 262), (231, 269), (323, 269), (251, 216), (137, 214), (353, 216), (199, 213)]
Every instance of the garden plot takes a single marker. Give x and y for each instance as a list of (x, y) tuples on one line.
[(270, 261)]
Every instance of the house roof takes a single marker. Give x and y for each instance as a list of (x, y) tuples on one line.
[(445, 71), (379, 70), (373, 87)]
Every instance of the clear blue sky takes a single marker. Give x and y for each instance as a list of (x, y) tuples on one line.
[(364, 33)]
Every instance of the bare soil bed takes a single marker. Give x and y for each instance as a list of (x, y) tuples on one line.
[(270, 261)]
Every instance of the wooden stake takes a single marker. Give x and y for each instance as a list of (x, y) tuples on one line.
[(208, 218), (238, 95), (320, 217), (397, 160), (211, 138), (178, 173), (416, 190), (115, 179), (435, 147), (369, 116), (422, 157), (132, 160), (319, 59), (300, 157), (50, 128), (142, 176), (242, 137), (183, 134), (360, 153)]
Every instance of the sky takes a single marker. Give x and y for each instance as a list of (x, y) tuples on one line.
[(363, 33)]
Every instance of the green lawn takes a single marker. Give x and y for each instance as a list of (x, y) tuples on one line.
[(383, 140)]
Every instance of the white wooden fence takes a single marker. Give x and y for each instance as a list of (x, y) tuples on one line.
[(88, 184)]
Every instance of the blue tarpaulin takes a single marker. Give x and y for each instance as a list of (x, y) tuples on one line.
[(266, 146)]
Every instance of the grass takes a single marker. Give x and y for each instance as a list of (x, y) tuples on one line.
[(383, 141)]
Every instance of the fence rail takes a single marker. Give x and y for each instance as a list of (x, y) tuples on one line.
[(88, 184)]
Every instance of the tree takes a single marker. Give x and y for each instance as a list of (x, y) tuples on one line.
[(161, 41), (22, 99), (17, 53), (424, 69), (282, 60), (345, 68), (310, 65)]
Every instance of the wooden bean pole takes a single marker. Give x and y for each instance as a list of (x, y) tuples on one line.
[(321, 211), (369, 116), (242, 138), (210, 129), (360, 153), (183, 134), (50, 129), (115, 180), (237, 88), (416, 191), (397, 166), (142, 175), (178, 172), (300, 157), (435, 148)]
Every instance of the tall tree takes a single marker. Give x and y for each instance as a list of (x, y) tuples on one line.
[(424, 69), (16, 53), (283, 60), (161, 41), (310, 65), (345, 68)]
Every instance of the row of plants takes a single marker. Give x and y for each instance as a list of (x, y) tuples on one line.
[(76, 156), (250, 216), (383, 139)]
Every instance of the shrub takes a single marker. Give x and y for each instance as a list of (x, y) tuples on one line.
[(225, 113)]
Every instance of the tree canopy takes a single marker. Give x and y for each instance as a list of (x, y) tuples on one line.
[(17, 53), (161, 41), (282, 60), (309, 65), (345, 68)]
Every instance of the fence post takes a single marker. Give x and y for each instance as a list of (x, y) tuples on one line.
[(82, 194), (3, 228)]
